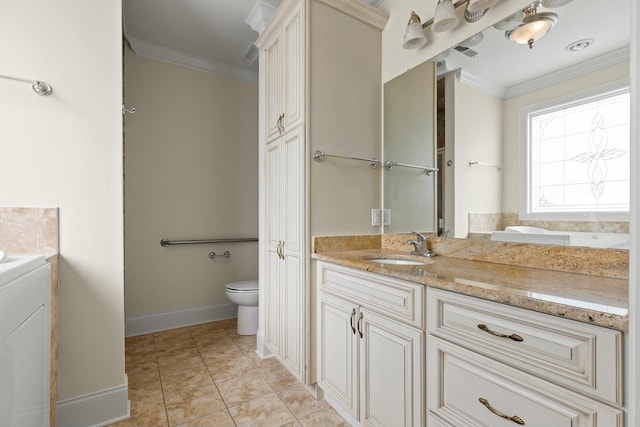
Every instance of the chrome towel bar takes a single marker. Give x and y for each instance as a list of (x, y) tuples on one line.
[(165, 242), (477, 163), (389, 164), (39, 87), (319, 156)]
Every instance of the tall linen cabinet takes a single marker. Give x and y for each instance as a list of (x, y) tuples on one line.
[(320, 89)]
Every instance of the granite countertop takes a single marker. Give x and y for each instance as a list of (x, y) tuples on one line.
[(587, 298)]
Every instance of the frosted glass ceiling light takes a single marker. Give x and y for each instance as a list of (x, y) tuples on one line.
[(534, 26), (480, 5), (414, 37), (554, 3), (445, 18)]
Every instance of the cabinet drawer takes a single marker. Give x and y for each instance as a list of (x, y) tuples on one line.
[(394, 298), (459, 379), (577, 355)]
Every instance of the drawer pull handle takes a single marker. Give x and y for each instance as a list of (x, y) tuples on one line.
[(514, 337), (513, 418), (352, 321), (360, 325)]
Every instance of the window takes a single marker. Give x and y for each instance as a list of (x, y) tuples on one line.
[(577, 157)]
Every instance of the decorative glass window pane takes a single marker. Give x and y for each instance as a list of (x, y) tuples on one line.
[(578, 155)]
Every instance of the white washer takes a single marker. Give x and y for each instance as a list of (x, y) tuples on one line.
[(25, 334)]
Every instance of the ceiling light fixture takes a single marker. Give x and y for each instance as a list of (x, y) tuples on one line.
[(534, 26), (480, 5)]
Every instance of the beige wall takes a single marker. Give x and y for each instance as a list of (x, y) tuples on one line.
[(478, 137), (396, 60), (512, 143), (191, 172), (345, 120), (65, 150)]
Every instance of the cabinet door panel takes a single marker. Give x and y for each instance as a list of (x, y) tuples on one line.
[(392, 371), (273, 88), (273, 195), (292, 175), (337, 352), (291, 315), (272, 292), (292, 68)]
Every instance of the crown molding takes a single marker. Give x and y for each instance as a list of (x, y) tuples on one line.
[(361, 10), (162, 53), (260, 15), (569, 73), (481, 84)]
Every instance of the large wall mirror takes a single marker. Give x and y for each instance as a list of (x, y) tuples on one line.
[(486, 85)]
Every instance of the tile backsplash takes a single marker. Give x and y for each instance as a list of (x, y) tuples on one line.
[(29, 230)]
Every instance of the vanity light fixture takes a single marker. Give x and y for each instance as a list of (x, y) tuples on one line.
[(480, 5), (534, 26), (445, 18), (414, 37)]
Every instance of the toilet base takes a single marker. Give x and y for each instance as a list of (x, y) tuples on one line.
[(247, 320)]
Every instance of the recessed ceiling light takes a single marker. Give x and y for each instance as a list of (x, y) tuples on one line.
[(579, 45)]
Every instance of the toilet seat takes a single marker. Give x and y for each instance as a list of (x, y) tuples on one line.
[(243, 286)]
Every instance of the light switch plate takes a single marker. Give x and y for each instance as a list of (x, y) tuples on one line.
[(387, 217), (375, 217)]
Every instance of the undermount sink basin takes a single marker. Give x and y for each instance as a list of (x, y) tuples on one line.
[(396, 261)]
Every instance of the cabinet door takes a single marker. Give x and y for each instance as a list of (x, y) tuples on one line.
[(293, 66), (391, 372), (273, 189), (338, 352), (273, 301), (271, 60), (292, 316)]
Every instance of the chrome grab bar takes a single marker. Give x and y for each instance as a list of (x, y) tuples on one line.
[(319, 156), (165, 242)]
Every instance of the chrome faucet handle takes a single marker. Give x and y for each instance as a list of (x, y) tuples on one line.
[(419, 237)]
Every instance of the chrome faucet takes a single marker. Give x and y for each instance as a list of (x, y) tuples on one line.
[(420, 246)]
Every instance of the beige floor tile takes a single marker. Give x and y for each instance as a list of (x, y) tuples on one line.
[(232, 331), (182, 382), (150, 391), (243, 388), (266, 411), (177, 352), (280, 378), (231, 367), (294, 423), (145, 413), (324, 418), (195, 404), (246, 342), (211, 354), (300, 402), (140, 358), (209, 336), (180, 362), (138, 341), (143, 373), (227, 323), (217, 419)]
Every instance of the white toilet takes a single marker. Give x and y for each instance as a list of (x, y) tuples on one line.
[(245, 294)]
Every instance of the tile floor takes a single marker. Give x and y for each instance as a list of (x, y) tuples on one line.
[(209, 376)]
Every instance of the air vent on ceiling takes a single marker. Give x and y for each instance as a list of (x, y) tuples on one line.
[(466, 51)]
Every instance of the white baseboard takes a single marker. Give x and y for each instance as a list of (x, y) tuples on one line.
[(177, 319), (261, 348), (95, 409)]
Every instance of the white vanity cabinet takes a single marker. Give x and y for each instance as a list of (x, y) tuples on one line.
[(283, 61), (489, 364), (371, 346), (286, 297), (310, 74)]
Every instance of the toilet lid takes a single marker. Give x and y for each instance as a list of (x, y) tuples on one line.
[(245, 285)]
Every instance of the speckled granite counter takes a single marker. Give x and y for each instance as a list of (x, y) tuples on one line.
[(587, 298)]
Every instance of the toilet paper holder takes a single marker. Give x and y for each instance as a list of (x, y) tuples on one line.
[(213, 255)]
